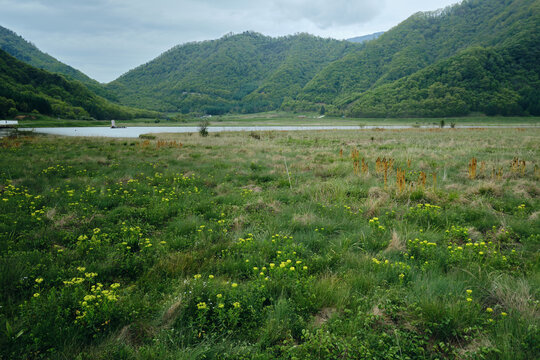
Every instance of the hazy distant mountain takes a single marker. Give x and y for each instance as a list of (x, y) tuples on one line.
[(244, 72), (364, 38), (24, 88)]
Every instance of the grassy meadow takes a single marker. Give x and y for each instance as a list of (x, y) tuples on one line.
[(409, 244)]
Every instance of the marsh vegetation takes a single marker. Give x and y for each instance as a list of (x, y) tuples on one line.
[(264, 245)]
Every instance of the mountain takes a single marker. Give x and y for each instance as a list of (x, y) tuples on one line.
[(480, 53), (246, 72), (364, 38), (24, 88)]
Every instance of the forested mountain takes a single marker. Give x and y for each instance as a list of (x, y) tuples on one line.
[(479, 55), (475, 56), (364, 38), (24, 88), (245, 73)]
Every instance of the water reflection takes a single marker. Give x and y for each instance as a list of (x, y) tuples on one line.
[(4, 132)]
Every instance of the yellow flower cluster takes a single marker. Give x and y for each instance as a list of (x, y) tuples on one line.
[(202, 306)]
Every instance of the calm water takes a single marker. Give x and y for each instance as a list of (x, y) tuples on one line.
[(7, 132), (134, 132)]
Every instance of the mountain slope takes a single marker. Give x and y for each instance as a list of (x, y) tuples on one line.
[(244, 72), (24, 88), (419, 42)]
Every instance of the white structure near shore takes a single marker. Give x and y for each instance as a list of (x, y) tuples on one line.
[(9, 123)]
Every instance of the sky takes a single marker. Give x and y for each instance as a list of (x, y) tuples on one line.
[(106, 38)]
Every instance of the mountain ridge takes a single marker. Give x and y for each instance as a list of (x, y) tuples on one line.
[(215, 75)]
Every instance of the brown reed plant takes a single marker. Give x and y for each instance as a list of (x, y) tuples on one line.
[(434, 175), (8, 143), (472, 168), (355, 154), (482, 167), (514, 166), (144, 144), (169, 144), (422, 180), (388, 164), (400, 180), (365, 167), (500, 173)]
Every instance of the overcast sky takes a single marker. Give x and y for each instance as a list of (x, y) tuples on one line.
[(106, 38)]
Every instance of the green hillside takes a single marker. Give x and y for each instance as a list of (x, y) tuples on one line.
[(428, 45), (493, 81), (244, 73), (24, 88)]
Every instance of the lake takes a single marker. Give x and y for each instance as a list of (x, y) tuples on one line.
[(135, 132)]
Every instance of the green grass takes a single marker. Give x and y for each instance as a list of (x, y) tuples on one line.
[(135, 249)]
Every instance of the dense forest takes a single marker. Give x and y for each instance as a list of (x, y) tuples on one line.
[(478, 55), (24, 88), (246, 72)]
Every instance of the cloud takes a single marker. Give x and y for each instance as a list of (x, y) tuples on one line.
[(330, 13)]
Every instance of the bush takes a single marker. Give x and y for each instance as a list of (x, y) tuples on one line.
[(203, 128)]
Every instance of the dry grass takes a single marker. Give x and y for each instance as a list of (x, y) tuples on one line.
[(515, 294), (396, 242)]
